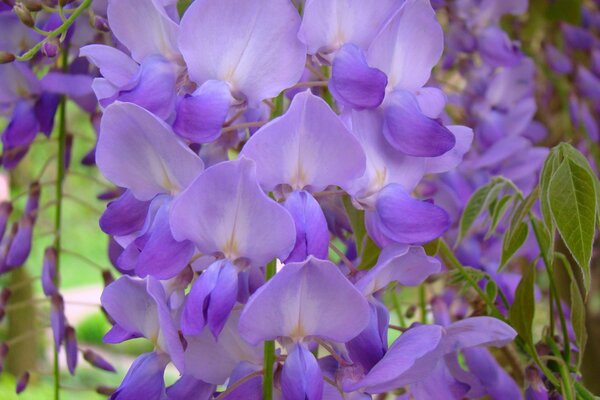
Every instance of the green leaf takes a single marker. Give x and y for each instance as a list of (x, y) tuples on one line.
[(478, 202), (578, 319), (513, 240), (523, 308), (550, 166), (369, 255), (572, 200), (491, 290), (544, 239), (564, 10), (498, 212)]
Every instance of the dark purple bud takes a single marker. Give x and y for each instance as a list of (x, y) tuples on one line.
[(68, 150), (577, 38), (24, 14), (588, 83), (90, 158), (5, 211), (557, 60), (107, 277), (596, 62), (50, 48), (97, 361), (22, 382), (71, 350), (105, 390), (57, 319), (5, 295), (32, 5), (49, 277), (3, 353), (101, 24), (10, 3), (33, 200), (45, 110), (21, 244), (410, 311), (536, 389), (6, 57)]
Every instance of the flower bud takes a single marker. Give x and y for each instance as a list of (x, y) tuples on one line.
[(97, 361), (57, 319), (32, 5), (22, 382), (6, 57), (63, 3), (3, 353), (24, 14), (33, 200), (100, 23), (105, 390), (50, 48), (71, 349), (5, 211), (107, 277), (21, 244), (49, 272), (68, 150)]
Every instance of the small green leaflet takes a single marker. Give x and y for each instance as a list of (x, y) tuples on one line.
[(578, 319), (523, 308)]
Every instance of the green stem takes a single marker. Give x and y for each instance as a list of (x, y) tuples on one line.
[(398, 308), (423, 303), (269, 348), (60, 177), (57, 32)]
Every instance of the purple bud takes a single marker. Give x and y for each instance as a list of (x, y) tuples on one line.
[(5, 211), (101, 24), (90, 158), (21, 243), (68, 150), (107, 277), (57, 319), (32, 5), (49, 277), (6, 57), (588, 83), (577, 38), (97, 361), (557, 60), (24, 14), (33, 200), (3, 353), (50, 48), (105, 390), (22, 382), (536, 389), (71, 349), (5, 295)]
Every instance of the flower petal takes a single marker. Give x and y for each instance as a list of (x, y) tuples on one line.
[(301, 377)]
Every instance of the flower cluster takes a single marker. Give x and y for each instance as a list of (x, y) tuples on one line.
[(215, 190)]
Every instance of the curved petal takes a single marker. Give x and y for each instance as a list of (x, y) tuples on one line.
[(328, 24), (312, 298), (201, 115), (452, 158), (353, 83), (312, 234), (404, 219), (407, 265), (263, 55), (477, 331), (144, 380), (138, 151), (114, 65), (301, 377), (224, 211), (302, 148), (143, 27), (408, 46), (124, 216), (410, 131)]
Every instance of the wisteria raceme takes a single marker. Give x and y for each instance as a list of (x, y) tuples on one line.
[(284, 180)]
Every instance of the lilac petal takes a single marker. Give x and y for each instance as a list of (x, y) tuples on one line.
[(263, 55), (496, 48), (212, 360), (45, 110), (200, 116), (588, 83), (404, 219), (20, 246), (312, 298), (301, 377), (114, 65), (143, 27), (71, 350), (168, 339), (576, 37), (153, 88), (432, 101), (410, 131), (439, 384), (312, 234), (193, 317), (224, 211), (124, 215), (16, 80), (353, 83), (127, 302), (477, 331), (49, 272), (188, 387), (408, 47), (22, 128), (409, 358), (144, 380), (77, 85), (327, 23), (162, 256), (407, 265), (497, 382), (250, 389), (293, 150), (557, 60), (57, 319), (222, 298), (370, 345), (452, 158), (138, 151), (116, 334)]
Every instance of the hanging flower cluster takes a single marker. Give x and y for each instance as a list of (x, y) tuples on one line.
[(209, 205)]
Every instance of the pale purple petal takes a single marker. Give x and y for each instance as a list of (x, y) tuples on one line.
[(301, 377), (432, 101), (71, 85), (406, 265), (124, 216), (477, 331), (353, 83), (370, 345), (143, 27), (496, 48), (224, 211), (114, 65), (410, 131), (144, 380), (263, 55), (138, 151), (408, 46), (312, 298), (302, 148), (312, 234), (452, 158), (188, 387)]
